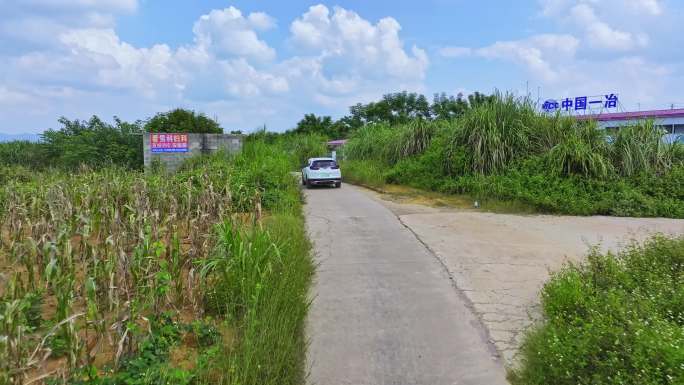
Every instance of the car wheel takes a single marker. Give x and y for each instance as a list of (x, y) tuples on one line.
[(338, 184), (303, 180)]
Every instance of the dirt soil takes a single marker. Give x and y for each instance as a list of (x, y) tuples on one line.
[(501, 261)]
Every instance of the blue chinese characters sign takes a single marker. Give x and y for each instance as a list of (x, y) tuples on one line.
[(581, 103)]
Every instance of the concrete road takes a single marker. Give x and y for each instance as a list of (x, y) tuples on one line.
[(384, 309), (501, 261)]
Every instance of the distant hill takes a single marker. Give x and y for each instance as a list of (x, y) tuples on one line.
[(11, 137)]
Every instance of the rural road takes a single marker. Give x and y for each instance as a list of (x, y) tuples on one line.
[(384, 310)]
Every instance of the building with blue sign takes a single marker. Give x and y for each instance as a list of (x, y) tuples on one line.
[(672, 121)]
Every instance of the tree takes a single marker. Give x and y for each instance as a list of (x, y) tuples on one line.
[(396, 108), (180, 120), (95, 143), (323, 125), (448, 107), (314, 124)]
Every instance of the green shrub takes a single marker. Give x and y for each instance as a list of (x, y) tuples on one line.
[(429, 169), (616, 319)]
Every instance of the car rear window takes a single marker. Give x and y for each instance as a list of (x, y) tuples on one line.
[(324, 163)]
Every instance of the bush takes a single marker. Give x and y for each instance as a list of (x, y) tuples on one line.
[(617, 319)]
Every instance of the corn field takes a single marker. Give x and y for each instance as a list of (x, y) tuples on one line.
[(87, 259)]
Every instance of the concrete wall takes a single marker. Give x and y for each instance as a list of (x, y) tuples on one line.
[(197, 144)]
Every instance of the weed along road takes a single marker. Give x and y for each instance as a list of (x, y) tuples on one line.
[(384, 310)]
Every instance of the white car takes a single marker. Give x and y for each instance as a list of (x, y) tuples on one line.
[(318, 171)]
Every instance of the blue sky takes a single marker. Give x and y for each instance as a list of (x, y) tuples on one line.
[(255, 63)]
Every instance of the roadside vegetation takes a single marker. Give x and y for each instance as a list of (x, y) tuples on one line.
[(98, 144), (615, 319), (502, 149), (115, 276)]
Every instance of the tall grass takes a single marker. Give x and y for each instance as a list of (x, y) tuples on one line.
[(639, 149), (581, 150), (371, 141), (260, 276), (24, 153), (504, 149), (496, 133), (301, 147)]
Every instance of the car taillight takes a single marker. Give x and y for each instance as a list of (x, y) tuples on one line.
[(335, 167)]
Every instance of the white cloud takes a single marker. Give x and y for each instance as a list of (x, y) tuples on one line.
[(118, 64), (37, 24), (555, 8), (228, 33), (75, 65), (539, 54), (653, 7), (261, 20), (243, 80), (361, 45), (102, 5), (603, 50), (13, 97), (606, 25), (600, 35)]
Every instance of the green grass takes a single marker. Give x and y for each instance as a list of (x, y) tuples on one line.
[(503, 150), (616, 319)]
